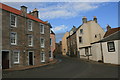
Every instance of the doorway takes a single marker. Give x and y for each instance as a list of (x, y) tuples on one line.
[(31, 58), (5, 59)]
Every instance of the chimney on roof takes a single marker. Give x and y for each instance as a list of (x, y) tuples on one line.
[(24, 10), (95, 19), (108, 27), (35, 13), (84, 19)]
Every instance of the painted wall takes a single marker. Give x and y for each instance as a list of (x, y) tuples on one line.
[(82, 53), (90, 29), (64, 43), (52, 36), (96, 52), (111, 57)]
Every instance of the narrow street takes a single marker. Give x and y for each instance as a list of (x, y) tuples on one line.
[(67, 67)]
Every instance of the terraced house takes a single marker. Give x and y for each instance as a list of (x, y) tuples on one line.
[(25, 37)]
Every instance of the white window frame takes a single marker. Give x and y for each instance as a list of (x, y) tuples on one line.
[(42, 54), (111, 49), (15, 38), (42, 46), (43, 28), (17, 57), (15, 20), (31, 40), (30, 28)]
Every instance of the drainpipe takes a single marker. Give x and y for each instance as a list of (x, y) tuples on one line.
[(101, 50)]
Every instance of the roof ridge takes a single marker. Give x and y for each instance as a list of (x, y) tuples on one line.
[(18, 12)]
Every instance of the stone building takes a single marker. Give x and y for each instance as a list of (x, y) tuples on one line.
[(64, 43), (52, 44), (25, 38), (72, 42), (58, 48)]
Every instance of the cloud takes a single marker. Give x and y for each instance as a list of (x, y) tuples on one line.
[(59, 0), (66, 10), (59, 28), (59, 36)]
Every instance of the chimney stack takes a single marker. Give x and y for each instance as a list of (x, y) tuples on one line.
[(95, 19), (108, 27), (35, 13), (84, 19), (24, 10)]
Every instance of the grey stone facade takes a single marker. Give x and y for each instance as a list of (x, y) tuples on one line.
[(22, 39)]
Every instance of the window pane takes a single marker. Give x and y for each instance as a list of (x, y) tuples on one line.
[(42, 42), (13, 38), (80, 39), (13, 20), (30, 25), (81, 31), (16, 57), (30, 40), (42, 28), (111, 47)]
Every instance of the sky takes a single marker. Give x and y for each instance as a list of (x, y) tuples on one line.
[(63, 15)]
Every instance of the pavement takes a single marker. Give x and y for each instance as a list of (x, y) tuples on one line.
[(67, 67), (30, 67)]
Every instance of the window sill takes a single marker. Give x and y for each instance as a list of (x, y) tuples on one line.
[(13, 26), (16, 63), (13, 44)]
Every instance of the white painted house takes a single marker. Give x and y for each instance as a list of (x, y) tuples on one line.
[(107, 49), (87, 33)]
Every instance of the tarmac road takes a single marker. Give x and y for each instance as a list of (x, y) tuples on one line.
[(67, 67)]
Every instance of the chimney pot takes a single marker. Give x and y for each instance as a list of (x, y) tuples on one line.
[(35, 13), (95, 19), (108, 27), (84, 19), (24, 10)]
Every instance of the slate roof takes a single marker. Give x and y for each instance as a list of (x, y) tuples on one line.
[(114, 36), (52, 32), (111, 31)]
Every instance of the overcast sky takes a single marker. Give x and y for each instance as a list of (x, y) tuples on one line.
[(63, 15)]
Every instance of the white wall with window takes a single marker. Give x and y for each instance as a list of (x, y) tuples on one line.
[(13, 20), (110, 52), (13, 38), (30, 27), (30, 40), (42, 28), (42, 42), (16, 57)]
